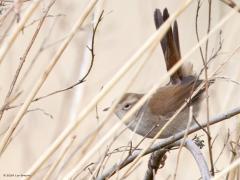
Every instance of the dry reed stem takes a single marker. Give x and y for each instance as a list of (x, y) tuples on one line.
[(190, 119), (61, 156), (8, 44), (3, 17)]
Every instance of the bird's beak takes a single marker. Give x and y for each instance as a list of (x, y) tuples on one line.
[(106, 109)]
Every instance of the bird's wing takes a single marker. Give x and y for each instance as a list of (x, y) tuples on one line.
[(170, 98)]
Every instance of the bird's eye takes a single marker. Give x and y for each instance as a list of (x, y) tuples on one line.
[(126, 106)]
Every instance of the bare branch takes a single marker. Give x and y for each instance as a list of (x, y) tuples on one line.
[(205, 64), (199, 158)]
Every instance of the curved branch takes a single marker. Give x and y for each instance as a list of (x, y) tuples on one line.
[(199, 158)]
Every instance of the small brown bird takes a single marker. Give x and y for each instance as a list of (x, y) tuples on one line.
[(156, 112)]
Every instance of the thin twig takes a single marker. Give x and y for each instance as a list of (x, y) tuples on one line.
[(224, 146), (41, 110), (37, 20), (207, 86), (204, 60)]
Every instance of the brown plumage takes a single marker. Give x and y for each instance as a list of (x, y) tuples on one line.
[(173, 96), (170, 45), (155, 113)]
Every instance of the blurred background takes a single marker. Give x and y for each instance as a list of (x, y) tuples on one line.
[(124, 28)]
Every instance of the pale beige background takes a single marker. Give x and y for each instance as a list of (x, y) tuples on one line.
[(125, 27)]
